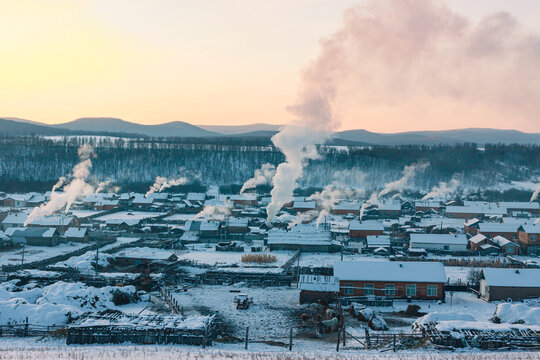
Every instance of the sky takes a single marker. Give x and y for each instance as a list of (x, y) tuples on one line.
[(234, 62)]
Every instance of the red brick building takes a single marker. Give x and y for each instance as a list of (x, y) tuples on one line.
[(414, 280), (358, 230)]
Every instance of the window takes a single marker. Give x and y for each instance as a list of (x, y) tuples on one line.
[(432, 290), (411, 290), (390, 289), (348, 289), (369, 289)]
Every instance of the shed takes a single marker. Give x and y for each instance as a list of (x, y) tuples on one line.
[(515, 284)]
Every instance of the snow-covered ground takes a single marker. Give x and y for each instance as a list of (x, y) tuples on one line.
[(34, 349), (209, 256), (38, 253), (272, 314)]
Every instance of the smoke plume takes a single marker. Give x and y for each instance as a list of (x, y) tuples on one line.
[(373, 200), (215, 212), (442, 189), (408, 173), (330, 196), (418, 61), (161, 183), (76, 189), (535, 194), (262, 176)]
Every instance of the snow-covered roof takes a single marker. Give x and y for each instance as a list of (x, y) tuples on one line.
[(243, 197), (196, 196), (498, 227), (494, 210), (145, 253), (82, 214), (520, 205), (238, 222), (378, 241), (390, 206), (502, 241), (35, 232), (76, 233), (53, 220), (304, 205), (478, 238), (454, 239), (357, 225), (347, 206), (15, 218), (409, 271), (512, 277), (128, 215), (209, 225), (297, 236), (431, 203), (531, 229)]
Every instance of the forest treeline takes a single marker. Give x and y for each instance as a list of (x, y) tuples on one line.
[(34, 163)]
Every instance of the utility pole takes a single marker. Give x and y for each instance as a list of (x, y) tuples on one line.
[(22, 257)]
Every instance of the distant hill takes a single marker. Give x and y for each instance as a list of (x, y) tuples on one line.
[(19, 128), (114, 125), (119, 127), (242, 129), (473, 135)]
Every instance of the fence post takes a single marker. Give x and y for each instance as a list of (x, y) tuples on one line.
[(368, 342), (247, 335), (290, 340), (26, 327), (338, 338), (394, 341)]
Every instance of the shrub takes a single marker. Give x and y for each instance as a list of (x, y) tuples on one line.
[(258, 258), (120, 297)]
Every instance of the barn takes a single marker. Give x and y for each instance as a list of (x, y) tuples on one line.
[(515, 284), (414, 280)]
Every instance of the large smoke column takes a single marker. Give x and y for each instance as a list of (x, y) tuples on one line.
[(408, 173), (76, 189), (535, 194), (262, 176), (442, 189), (161, 183), (330, 196)]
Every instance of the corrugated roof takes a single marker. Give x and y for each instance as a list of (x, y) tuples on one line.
[(512, 277)]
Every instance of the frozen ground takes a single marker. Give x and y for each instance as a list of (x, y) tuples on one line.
[(273, 312), (33, 349), (37, 253), (209, 256)]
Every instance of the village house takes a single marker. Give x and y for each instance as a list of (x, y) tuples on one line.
[(532, 208), (237, 225), (489, 229), (303, 206), (77, 235), (16, 200), (346, 207), (143, 256), (504, 284), (60, 222), (478, 240), (439, 242), (361, 230), (508, 247), (14, 220), (36, 236), (390, 210), (471, 226), (374, 242), (469, 212), (305, 238), (244, 200), (106, 204), (427, 206), (414, 280), (529, 239)]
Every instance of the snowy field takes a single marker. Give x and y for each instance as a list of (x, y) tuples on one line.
[(209, 256), (38, 253), (32, 349)]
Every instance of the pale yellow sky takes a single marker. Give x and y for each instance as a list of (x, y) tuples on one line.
[(200, 61)]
